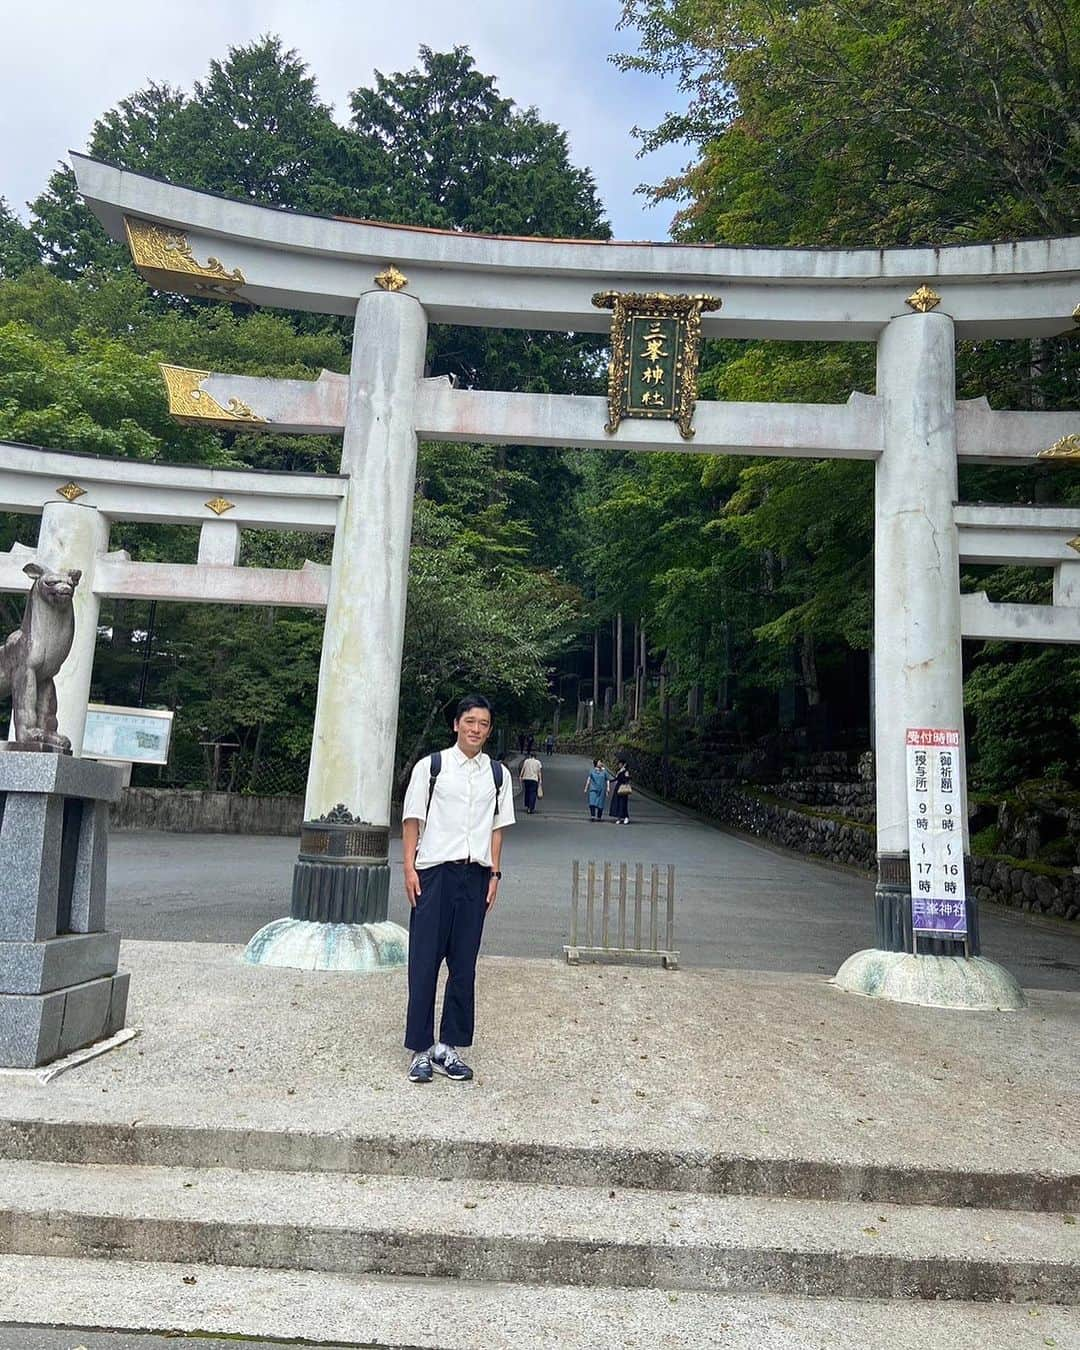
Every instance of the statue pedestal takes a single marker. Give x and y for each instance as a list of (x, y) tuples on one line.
[(59, 987)]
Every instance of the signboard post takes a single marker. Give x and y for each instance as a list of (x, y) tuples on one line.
[(936, 834)]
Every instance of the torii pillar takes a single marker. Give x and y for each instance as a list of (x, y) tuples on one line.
[(341, 880), (918, 670)]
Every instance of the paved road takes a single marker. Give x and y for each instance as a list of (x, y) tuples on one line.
[(740, 904)]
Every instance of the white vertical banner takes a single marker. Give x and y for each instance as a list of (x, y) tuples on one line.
[(935, 832)]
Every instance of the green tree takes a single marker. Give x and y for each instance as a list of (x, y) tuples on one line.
[(871, 121), (83, 335), (18, 247), (253, 129), (474, 624), (457, 155), (99, 398)]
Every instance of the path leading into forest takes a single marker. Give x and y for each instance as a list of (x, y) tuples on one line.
[(740, 904)]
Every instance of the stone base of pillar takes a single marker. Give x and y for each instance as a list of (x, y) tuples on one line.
[(340, 892), (59, 990), (301, 944), (340, 900), (965, 983), (341, 875), (892, 912)]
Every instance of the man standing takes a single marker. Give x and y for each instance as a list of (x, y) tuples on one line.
[(457, 804), (532, 779)]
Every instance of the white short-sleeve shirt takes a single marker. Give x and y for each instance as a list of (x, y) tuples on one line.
[(463, 811)]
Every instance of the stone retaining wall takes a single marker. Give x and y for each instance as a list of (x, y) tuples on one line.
[(854, 800), (187, 811), (842, 836), (820, 835), (836, 840), (1001, 880)]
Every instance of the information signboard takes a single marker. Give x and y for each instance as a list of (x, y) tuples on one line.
[(936, 832), (139, 735)]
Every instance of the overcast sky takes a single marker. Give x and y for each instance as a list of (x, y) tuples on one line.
[(65, 62)]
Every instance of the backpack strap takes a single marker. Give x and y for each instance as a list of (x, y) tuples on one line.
[(497, 774), (436, 769)]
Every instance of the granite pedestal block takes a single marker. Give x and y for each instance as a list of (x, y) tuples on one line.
[(59, 990)]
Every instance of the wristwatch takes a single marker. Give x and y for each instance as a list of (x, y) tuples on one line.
[(497, 876)]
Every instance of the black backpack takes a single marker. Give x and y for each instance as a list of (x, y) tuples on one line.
[(436, 769)]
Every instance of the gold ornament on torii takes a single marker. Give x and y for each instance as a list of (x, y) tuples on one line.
[(390, 279), (190, 404), (163, 257), (924, 299), (1067, 448)]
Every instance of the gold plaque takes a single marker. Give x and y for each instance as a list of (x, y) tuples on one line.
[(193, 406), (164, 258), (655, 346), (219, 505), (71, 491)]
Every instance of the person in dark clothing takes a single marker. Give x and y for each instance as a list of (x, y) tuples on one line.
[(620, 795)]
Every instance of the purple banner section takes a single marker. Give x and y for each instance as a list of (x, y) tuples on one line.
[(938, 916)]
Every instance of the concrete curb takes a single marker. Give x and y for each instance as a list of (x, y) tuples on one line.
[(544, 1259), (147, 1144), (301, 1307)]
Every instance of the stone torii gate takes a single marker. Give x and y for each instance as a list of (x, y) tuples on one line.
[(914, 303)]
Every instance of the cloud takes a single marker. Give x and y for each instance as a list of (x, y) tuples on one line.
[(63, 65)]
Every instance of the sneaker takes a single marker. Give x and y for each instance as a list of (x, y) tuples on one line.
[(420, 1068), (450, 1063)]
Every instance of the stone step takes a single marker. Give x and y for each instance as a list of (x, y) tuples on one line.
[(536, 1234), (146, 1143), (305, 1308)]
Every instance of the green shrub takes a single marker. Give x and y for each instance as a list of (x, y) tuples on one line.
[(986, 841)]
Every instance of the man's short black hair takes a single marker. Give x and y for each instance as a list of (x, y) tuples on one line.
[(471, 701)]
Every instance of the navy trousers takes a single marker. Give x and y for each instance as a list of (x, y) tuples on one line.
[(446, 924), (530, 787)]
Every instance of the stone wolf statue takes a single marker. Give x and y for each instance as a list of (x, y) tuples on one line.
[(32, 655)]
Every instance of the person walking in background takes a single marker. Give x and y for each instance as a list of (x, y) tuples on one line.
[(549, 745), (596, 786), (530, 743), (532, 781), (457, 805), (521, 742), (620, 794)]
